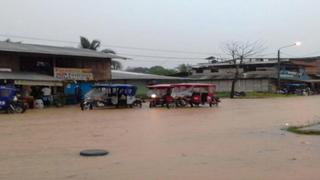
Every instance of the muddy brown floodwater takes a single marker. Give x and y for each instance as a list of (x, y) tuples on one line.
[(241, 139)]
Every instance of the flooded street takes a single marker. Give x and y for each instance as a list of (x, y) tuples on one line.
[(241, 139)]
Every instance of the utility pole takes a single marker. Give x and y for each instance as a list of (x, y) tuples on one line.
[(279, 63), (278, 71)]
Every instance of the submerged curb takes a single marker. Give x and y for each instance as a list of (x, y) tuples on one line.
[(94, 152)]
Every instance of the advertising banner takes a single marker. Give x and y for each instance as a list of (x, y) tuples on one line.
[(73, 74)]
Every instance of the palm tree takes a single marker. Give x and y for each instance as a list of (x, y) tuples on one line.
[(116, 65), (86, 44), (94, 45)]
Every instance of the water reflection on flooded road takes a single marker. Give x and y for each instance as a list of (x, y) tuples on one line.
[(241, 139)]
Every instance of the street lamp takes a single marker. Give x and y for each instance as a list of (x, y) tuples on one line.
[(278, 66)]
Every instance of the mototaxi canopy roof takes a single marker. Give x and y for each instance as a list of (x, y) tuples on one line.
[(194, 85), (8, 88), (163, 86), (121, 89), (124, 86)]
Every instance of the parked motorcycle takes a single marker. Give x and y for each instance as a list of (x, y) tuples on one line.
[(240, 94), (9, 101)]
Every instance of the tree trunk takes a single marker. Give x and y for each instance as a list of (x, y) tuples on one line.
[(234, 81), (236, 77)]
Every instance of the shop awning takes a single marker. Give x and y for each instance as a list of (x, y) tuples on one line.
[(32, 79), (313, 81), (37, 83)]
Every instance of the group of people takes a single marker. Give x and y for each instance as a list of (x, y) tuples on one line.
[(37, 95)]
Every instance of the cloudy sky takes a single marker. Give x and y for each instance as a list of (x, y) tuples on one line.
[(166, 32)]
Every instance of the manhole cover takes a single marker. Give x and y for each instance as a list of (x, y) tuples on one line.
[(94, 152)]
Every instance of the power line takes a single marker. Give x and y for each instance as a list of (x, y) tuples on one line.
[(115, 46), (162, 50), (312, 53), (128, 47), (166, 57), (289, 55), (38, 39), (136, 55), (164, 60)]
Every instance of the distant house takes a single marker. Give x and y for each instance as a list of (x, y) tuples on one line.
[(311, 64), (257, 74)]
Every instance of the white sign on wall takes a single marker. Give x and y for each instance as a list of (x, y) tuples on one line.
[(73, 74)]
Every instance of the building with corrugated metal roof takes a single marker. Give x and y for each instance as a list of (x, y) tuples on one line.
[(256, 74), (61, 63), (38, 66)]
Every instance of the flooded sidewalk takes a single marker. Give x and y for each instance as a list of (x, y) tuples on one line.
[(241, 139)]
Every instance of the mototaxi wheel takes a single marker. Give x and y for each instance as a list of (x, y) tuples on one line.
[(181, 103), (171, 105), (137, 103), (86, 106), (19, 109), (151, 105), (10, 110)]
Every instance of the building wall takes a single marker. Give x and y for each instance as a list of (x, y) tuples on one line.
[(312, 67), (101, 69), (247, 85)]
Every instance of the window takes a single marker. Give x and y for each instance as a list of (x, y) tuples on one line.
[(214, 70), (198, 71), (42, 65), (249, 68)]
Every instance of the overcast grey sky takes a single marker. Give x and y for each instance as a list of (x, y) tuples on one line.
[(183, 25)]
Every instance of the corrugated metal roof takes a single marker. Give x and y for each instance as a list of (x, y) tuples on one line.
[(54, 50), (123, 75), (246, 62), (27, 76), (248, 75)]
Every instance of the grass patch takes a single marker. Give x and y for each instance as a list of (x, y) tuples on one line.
[(266, 95), (255, 95), (298, 130), (223, 94), (301, 130)]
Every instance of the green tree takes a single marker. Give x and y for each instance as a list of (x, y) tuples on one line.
[(86, 44), (159, 70), (94, 45), (138, 69), (184, 68), (115, 65)]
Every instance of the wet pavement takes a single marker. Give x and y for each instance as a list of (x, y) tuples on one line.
[(241, 139)]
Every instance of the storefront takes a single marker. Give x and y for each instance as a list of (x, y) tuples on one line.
[(77, 82), (31, 86), (38, 69)]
